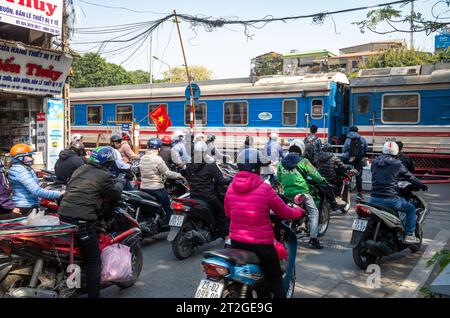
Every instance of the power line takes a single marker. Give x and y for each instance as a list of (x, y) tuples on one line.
[(120, 8)]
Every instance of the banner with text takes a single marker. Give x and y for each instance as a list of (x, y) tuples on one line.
[(55, 130), (44, 16), (32, 71)]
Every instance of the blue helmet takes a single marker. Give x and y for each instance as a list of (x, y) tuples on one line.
[(154, 143), (103, 155), (250, 160)]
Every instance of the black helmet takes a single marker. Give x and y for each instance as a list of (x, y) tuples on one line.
[(78, 147), (115, 138), (327, 147), (211, 138)]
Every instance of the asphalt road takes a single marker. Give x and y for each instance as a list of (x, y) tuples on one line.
[(325, 273)]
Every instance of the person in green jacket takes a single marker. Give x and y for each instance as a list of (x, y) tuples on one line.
[(290, 172)]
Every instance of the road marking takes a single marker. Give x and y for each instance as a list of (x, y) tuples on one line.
[(410, 287)]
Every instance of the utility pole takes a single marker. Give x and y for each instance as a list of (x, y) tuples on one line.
[(66, 90), (151, 58), (411, 40)]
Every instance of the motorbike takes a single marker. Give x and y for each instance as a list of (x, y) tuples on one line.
[(379, 231), (38, 266), (345, 188), (236, 273)]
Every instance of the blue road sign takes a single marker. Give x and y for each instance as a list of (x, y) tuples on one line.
[(195, 89), (125, 127), (441, 41)]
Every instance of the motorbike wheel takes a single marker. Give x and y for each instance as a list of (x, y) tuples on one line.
[(346, 198), (415, 248), (291, 288), (233, 291), (362, 259), (9, 282), (324, 219), (137, 260), (182, 247)]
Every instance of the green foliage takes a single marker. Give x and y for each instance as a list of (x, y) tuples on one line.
[(268, 65), (399, 58), (426, 293), (442, 258), (178, 74), (91, 70)]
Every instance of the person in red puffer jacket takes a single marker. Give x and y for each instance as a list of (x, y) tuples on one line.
[(247, 204)]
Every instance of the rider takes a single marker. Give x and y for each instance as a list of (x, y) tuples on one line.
[(88, 189), (313, 145), (124, 148), (213, 151), (292, 173), (69, 161), (248, 203), (206, 180), (77, 137), (407, 161), (153, 169), (6, 205), (386, 172), (166, 149), (24, 182), (179, 154), (272, 149)]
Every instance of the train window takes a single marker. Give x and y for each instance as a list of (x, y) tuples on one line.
[(152, 107), (72, 115), (400, 108), (363, 104), (317, 109), (289, 113), (124, 113), (200, 113), (94, 115), (235, 113)]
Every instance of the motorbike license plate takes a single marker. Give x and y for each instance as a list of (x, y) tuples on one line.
[(209, 289), (176, 220), (359, 225)]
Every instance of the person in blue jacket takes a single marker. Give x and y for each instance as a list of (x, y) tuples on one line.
[(24, 181)]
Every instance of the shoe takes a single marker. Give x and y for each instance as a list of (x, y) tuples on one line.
[(227, 243), (314, 244), (337, 208), (339, 201), (411, 239), (359, 196)]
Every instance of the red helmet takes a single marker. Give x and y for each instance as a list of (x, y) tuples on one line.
[(166, 140)]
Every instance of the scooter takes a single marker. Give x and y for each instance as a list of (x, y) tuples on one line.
[(236, 273), (379, 231), (346, 187)]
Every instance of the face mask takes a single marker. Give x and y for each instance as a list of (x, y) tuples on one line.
[(28, 161)]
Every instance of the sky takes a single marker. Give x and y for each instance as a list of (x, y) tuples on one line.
[(227, 51)]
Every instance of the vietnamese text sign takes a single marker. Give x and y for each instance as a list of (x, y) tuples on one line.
[(41, 132), (40, 15), (32, 71), (55, 130), (442, 41)]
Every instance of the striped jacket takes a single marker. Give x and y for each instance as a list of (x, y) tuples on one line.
[(26, 189)]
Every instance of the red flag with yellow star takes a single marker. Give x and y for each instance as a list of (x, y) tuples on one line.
[(161, 118)]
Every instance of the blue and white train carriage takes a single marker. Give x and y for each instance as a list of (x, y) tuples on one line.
[(230, 109)]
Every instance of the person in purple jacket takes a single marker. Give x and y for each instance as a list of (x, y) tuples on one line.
[(6, 205), (247, 204)]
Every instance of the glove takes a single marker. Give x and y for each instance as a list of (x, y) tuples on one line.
[(424, 187)]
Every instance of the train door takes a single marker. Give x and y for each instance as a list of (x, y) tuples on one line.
[(339, 115), (363, 114)]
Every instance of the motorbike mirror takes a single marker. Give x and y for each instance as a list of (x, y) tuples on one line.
[(299, 199)]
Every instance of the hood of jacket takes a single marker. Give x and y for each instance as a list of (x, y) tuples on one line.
[(291, 160), (324, 156), (245, 182), (353, 135), (385, 160), (66, 154)]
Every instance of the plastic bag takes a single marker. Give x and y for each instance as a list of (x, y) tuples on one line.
[(37, 218), (116, 264)]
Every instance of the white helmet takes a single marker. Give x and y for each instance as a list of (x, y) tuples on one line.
[(77, 137), (178, 133), (199, 136), (298, 143), (273, 136), (390, 148), (200, 146)]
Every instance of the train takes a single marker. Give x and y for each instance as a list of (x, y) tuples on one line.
[(410, 104)]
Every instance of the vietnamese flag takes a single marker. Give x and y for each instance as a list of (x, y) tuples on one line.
[(161, 118)]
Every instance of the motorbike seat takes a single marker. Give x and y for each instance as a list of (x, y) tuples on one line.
[(380, 207), (143, 195), (235, 256), (144, 199)]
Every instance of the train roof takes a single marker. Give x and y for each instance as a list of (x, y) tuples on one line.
[(309, 82), (411, 75)]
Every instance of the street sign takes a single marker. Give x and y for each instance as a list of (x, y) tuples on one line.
[(125, 127), (442, 41), (195, 90)]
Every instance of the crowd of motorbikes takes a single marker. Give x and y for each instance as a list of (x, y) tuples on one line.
[(38, 267)]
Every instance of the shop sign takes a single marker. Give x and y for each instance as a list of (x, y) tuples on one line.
[(33, 71), (41, 132), (40, 15), (55, 130)]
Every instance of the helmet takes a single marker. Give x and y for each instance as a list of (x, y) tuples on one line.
[(199, 136), (78, 147), (211, 138), (327, 147), (299, 144), (77, 137), (200, 146), (115, 138), (154, 143), (166, 140), (178, 133), (390, 148), (273, 137), (103, 155), (21, 150), (250, 160)]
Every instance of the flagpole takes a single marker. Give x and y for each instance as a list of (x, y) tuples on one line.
[(191, 99)]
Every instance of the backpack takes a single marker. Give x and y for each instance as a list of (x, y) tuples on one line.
[(311, 149), (354, 151)]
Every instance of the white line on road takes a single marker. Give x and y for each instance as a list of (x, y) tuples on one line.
[(411, 286)]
